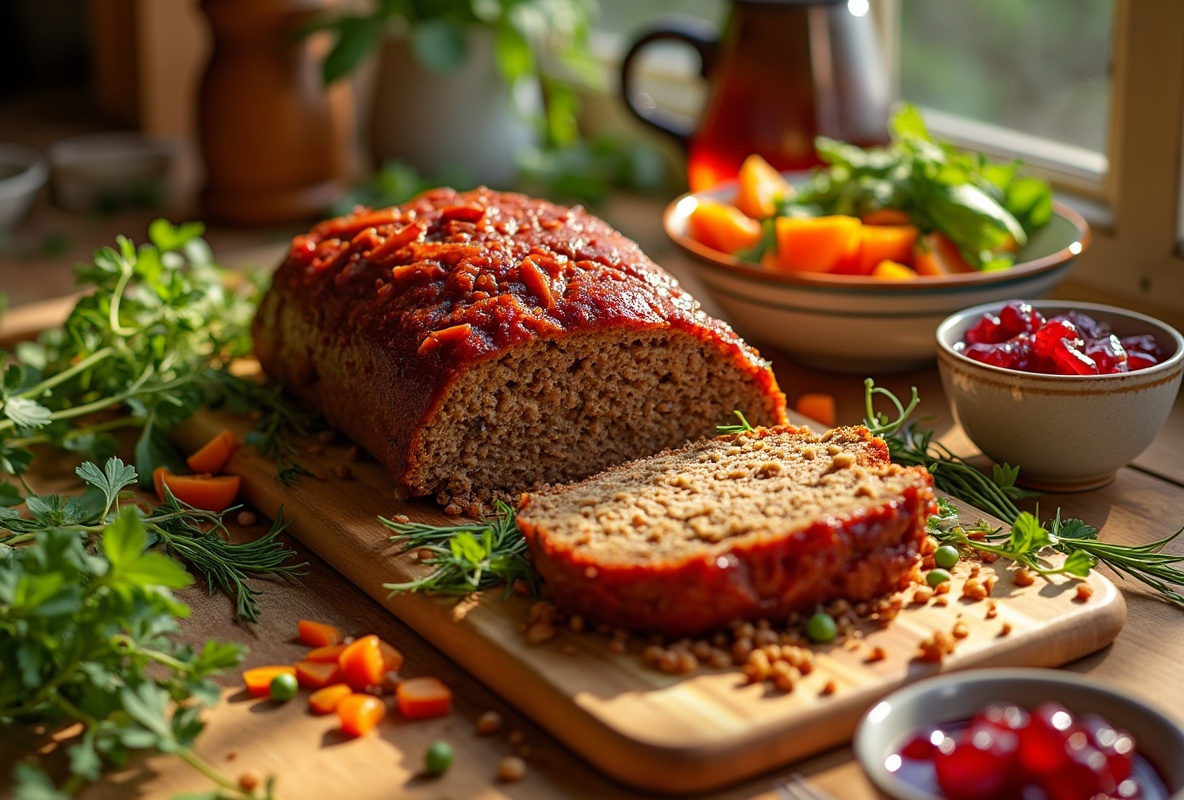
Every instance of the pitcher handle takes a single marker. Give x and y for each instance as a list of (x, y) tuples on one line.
[(702, 38)]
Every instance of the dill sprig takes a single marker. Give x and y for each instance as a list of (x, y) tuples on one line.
[(465, 558), (1025, 538)]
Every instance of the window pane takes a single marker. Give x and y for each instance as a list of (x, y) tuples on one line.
[(1038, 67)]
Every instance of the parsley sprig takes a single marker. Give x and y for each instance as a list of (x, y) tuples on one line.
[(465, 558), (88, 635), (148, 344), (1026, 539)]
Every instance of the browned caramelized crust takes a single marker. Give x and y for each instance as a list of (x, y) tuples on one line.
[(481, 342), (742, 527)]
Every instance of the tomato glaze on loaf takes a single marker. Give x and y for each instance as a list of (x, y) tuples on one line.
[(483, 343)]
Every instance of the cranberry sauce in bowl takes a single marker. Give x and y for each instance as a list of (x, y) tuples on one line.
[(1067, 392), (1005, 751), (1028, 734)]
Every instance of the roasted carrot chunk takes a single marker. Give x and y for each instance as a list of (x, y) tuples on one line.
[(207, 492), (325, 701), (360, 713), (892, 271), (760, 187), (818, 244), (936, 254), (884, 243), (817, 406), (317, 634), (392, 659), (723, 227), (258, 680), (331, 653), (213, 455), (423, 697), (317, 674), (361, 663)]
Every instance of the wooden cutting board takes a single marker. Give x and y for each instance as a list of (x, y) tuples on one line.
[(654, 731)]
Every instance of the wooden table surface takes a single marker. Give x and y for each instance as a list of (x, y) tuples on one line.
[(1145, 502)]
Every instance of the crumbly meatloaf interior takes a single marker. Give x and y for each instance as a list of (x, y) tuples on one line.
[(716, 496), (557, 410)]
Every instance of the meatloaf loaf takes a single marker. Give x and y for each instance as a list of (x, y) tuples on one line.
[(482, 343), (740, 527)]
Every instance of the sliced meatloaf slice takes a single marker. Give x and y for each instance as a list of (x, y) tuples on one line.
[(739, 527)]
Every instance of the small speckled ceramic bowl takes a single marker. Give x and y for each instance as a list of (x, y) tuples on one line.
[(1064, 432), (957, 696)]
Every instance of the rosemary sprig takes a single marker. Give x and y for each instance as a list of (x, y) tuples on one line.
[(465, 558), (1026, 538), (197, 537)]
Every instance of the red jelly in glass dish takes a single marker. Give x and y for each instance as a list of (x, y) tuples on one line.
[(1072, 343), (1006, 752)]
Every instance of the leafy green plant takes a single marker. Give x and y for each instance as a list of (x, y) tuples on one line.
[(437, 32), (986, 208), (88, 625), (149, 343)]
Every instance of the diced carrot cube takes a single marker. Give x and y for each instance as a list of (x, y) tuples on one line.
[(423, 697), (330, 652), (392, 658), (207, 492), (258, 679), (317, 634), (360, 713), (362, 663), (317, 674), (325, 701)]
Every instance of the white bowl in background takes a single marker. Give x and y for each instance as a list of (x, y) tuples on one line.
[(957, 696), (22, 174), (856, 323), (105, 171), (1064, 432)]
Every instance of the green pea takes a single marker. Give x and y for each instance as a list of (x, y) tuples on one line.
[(821, 628), (283, 687), (438, 758), (936, 576), (946, 556)]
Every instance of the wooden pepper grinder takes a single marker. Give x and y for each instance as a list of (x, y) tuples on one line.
[(272, 139)]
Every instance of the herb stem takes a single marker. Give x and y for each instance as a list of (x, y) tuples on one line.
[(66, 374)]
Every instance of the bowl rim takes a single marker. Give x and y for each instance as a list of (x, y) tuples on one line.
[(678, 210), (945, 349), (34, 172), (914, 695)]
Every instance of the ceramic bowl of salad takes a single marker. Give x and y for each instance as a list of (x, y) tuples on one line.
[(1019, 732), (1066, 391), (852, 267)]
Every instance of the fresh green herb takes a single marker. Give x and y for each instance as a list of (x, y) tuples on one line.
[(986, 208), (88, 637), (465, 558), (198, 537), (1026, 539), (738, 428), (147, 345)]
